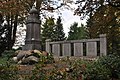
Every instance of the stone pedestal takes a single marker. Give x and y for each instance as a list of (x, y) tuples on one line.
[(33, 38)]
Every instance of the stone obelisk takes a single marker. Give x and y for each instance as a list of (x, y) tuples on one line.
[(33, 38)]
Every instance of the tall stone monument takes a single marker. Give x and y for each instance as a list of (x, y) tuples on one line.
[(33, 38)]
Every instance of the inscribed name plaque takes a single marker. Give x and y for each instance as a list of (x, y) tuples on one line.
[(66, 49), (91, 49), (56, 49), (78, 49)]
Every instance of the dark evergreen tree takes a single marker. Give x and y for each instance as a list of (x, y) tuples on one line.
[(73, 31), (48, 31), (82, 32), (77, 33), (59, 32)]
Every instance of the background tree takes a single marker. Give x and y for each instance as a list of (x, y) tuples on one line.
[(89, 7), (58, 31), (106, 23), (72, 34), (104, 18), (15, 11), (77, 33), (48, 30), (82, 33), (14, 14), (3, 36)]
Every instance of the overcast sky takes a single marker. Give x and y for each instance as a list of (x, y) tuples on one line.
[(68, 19)]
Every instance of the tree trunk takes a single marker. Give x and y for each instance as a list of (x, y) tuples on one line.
[(14, 29), (9, 32)]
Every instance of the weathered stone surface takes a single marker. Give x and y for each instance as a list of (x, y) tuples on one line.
[(56, 49), (37, 51), (30, 60), (44, 53), (28, 57), (47, 46), (16, 52), (78, 49), (66, 49), (91, 49), (103, 45), (15, 59), (22, 54), (33, 38)]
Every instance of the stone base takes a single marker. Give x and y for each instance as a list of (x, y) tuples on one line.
[(31, 47)]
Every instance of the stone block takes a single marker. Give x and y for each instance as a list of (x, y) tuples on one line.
[(56, 49), (66, 49), (78, 49), (91, 49)]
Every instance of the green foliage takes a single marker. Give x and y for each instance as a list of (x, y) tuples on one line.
[(112, 62), (87, 8), (53, 31), (6, 55), (76, 32), (96, 71), (15, 12), (105, 68), (71, 71), (106, 21), (8, 72), (72, 34), (46, 59), (58, 31), (48, 30), (3, 60)]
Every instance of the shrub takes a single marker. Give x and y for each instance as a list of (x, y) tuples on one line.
[(112, 62), (6, 56), (8, 72), (105, 68)]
